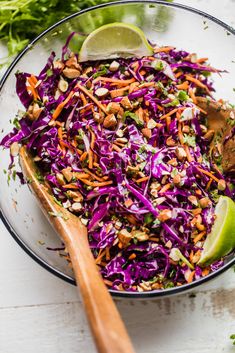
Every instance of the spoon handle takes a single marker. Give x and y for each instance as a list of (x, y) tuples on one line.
[(105, 321), (106, 324)]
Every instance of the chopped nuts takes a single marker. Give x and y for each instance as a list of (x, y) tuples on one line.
[(77, 206), (113, 107), (125, 102), (173, 162), (193, 200), (151, 124), (139, 235), (180, 153), (122, 140), (75, 195), (221, 185), (58, 64), (71, 73), (204, 202), (145, 286), (164, 215), (177, 179), (14, 149), (124, 237), (146, 132), (72, 62), (170, 142), (63, 85), (60, 179), (186, 129), (110, 121), (114, 66), (101, 92), (128, 203), (67, 173), (98, 117), (120, 133)]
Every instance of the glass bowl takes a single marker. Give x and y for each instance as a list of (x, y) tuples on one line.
[(164, 24)]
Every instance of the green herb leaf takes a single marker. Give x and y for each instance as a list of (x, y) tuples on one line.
[(190, 140), (133, 116)]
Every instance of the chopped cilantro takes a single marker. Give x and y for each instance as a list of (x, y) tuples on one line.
[(215, 195), (182, 95), (190, 140), (39, 176), (57, 201), (58, 214), (101, 72), (157, 65), (232, 337), (133, 116), (16, 123), (148, 218)]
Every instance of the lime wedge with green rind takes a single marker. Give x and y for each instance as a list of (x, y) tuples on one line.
[(115, 40), (221, 240)]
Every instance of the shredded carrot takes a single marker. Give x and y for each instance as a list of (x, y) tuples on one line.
[(168, 122), (178, 74), (160, 108), (189, 156), (165, 188), (208, 174), (205, 272), (199, 237), (60, 107), (190, 277), (196, 81), (107, 254), (90, 159), (133, 87), (83, 98), (83, 156), (92, 183), (191, 256), (96, 177), (183, 85), (90, 95), (114, 80), (132, 256), (180, 135), (116, 148), (142, 179), (154, 239), (163, 49), (209, 184), (71, 186), (192, 95), (119, 92), (131, 219), (79, 175), (169, 114), (142, 72)]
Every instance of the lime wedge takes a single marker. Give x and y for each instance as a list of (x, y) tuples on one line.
[(221, 240), (115, 40)]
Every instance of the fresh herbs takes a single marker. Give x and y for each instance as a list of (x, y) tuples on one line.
[(22, 20)]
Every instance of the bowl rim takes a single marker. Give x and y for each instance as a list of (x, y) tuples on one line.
[(22, 243)]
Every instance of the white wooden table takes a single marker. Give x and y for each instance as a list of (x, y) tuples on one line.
[(40, 313)]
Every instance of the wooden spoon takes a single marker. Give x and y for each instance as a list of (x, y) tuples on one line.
[(106, 324), (220, 120)]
